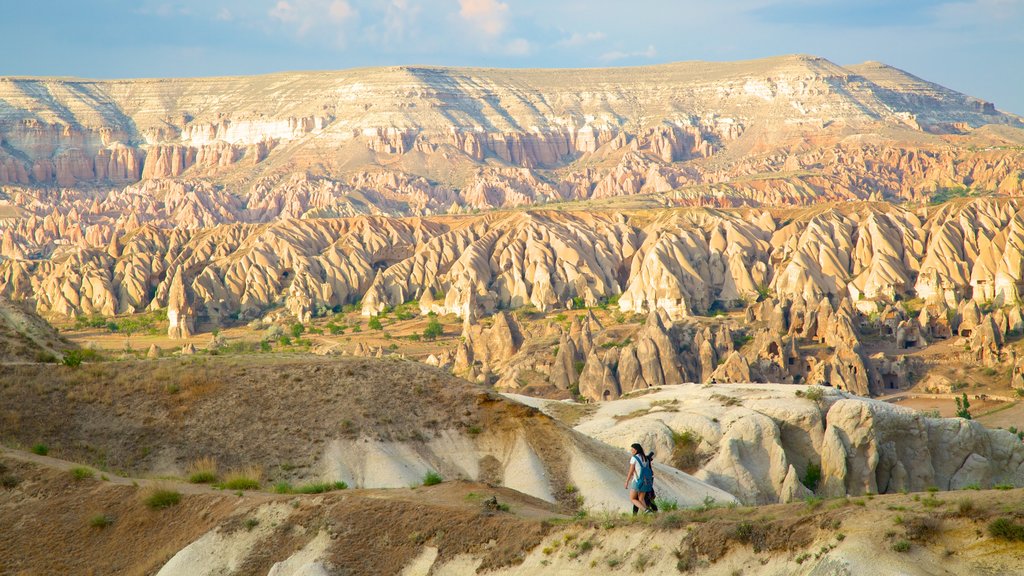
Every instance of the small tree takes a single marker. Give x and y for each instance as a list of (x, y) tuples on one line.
[(298, 329), (963, 407), (433, 329), (375, 324)]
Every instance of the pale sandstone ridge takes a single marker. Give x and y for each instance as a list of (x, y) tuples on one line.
[(757, 441), (786, 130)]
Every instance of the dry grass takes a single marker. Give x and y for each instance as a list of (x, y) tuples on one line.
[(161, 496), (202, 470), (247, 478)]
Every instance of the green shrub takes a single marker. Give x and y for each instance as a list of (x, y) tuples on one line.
[(100, 521), (666, 505), (374, 324), (72, 358), (963, 407), (40, 450), (283, 488), (161, 498), (82, 473), (1006, 529), (947, 194), (433, 329), (814, 393), (812, 477), (431, 478), (901, 546)]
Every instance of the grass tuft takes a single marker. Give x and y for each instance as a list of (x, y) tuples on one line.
[(432, 478), (321, 487), (160, 498), (82, 473), (1006, 529), (100, 521), (202, 471), (242, 479)]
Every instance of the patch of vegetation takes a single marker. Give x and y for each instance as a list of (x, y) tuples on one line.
[(666, 505), (244, 479), (161, 498), (8, 481), (963, 407), (812, 477), (433, 329), (641, 561), (726, 400), (581, 547), (82, 473), (40, 449), (432, 478), (100, 521), (812, 393), (946, 194), (1006, 529), (685, 455), (740, 340), (202, 471), (922, 528), (321, 487), (374, 323), (900, 546)]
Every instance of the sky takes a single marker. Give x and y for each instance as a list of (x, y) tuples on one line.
[(973, 46)]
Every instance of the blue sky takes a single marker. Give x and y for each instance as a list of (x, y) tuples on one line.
[(974, 46)]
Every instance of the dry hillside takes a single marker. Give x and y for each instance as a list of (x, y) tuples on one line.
[(106, 526)]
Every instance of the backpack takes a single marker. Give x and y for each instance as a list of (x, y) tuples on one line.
[(644, 474)]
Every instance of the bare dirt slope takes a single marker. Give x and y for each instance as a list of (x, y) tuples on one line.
[(368, 422), (448, 529), (25, 337), (370, 532)]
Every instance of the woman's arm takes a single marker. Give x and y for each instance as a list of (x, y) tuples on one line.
[(632, 471)]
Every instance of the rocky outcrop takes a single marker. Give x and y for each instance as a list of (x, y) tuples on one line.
[(759, 441)]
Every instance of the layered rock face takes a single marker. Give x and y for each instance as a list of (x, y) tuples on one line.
[(758, 442), (771, 131)]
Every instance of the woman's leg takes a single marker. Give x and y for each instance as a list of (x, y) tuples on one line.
[(635, 498)]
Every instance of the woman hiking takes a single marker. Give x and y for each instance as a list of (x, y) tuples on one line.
[(640, 479)]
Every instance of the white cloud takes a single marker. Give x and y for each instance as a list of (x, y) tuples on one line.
[(519, 47), (488, 17), (577, 39), (304, 15), (224, 14), (614, 55)]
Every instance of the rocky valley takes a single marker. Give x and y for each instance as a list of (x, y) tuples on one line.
[(461, 294)]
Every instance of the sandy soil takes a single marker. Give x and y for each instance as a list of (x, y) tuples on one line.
[(275, 411), (447, 529)]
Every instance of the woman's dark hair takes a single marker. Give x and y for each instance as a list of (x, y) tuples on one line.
[(640, 450)]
